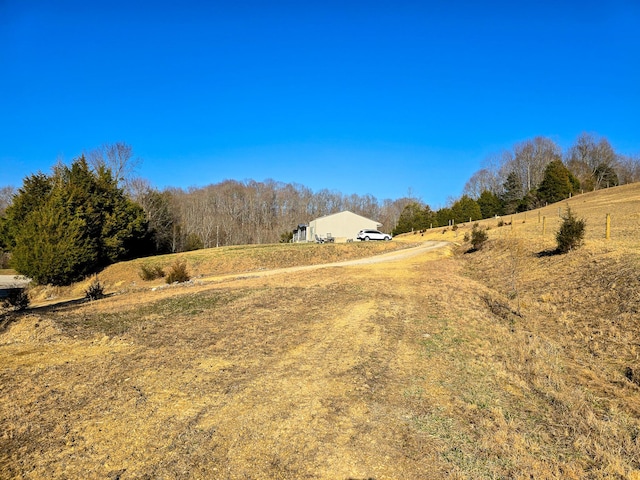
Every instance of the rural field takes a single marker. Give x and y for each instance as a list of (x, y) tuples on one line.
[(438, 362)]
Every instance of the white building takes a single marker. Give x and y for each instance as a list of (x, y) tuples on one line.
[(342, 227)]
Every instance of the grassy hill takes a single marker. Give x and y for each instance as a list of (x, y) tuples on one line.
[(207, 264), (506, 362)]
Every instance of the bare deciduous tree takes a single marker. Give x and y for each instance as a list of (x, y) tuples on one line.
[(481, 181), (232, 212), (158, 207), (6, 197), (588, 155), (117, 157), (628, 169), (531, 158)]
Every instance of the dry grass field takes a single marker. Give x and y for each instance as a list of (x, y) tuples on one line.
[(506, 362)]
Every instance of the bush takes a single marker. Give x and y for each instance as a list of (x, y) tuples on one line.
[(178, 272), (95, 290), (148, 272), (18, 299), (571, 233), (478, 237), (286, 237)]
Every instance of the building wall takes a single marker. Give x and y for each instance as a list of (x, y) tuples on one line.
[(342, 226)]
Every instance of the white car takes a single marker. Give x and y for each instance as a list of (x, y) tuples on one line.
[(367, 235)]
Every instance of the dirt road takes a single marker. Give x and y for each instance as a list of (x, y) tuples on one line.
[(386, 257)]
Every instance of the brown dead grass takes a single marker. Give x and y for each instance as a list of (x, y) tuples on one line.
[(216, 262), (495, 364)]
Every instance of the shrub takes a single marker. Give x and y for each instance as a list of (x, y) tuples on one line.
[(286, 237), (148, 272), (18, 299), (478, 237), (571, 233), (95, 290), (178, 272)]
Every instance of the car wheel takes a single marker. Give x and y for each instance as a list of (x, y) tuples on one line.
[(366, 239), (387, 238)]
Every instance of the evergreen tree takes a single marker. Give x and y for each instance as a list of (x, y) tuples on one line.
[(557, 184), (512, 193), (571, 233), (30, 196), (465, 209), (490, 204), (54, 246), (606, 176), (63, 227), (443, 217), (530, 201), (413, 217)]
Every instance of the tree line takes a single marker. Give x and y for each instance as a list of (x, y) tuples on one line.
[(60, 227), (69, 224), (250, 212), (533, 173)]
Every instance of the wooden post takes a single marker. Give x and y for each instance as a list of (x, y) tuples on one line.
[(607, 231), (544, 225), (511, 222)]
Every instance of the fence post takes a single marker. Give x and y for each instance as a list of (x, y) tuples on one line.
[(544, 225), (607, 231)]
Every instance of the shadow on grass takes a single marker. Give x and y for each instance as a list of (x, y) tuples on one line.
[(548, 253), (7, 318)]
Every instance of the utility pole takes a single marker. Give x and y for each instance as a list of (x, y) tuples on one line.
[(217, 231)]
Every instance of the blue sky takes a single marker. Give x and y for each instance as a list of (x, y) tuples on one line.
[(378, 97)]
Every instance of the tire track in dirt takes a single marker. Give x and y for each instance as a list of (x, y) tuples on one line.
[(427, 246)]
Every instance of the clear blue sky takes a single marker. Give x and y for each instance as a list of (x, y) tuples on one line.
[(367, 97)]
